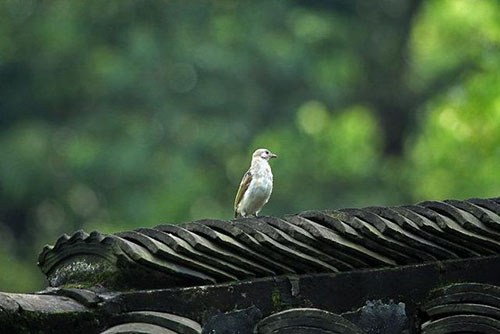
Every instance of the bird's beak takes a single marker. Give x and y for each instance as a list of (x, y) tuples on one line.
[(273, 155)]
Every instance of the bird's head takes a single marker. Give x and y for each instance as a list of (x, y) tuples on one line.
[(264, 153)]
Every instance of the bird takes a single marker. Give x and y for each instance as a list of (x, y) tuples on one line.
[(256, 185)]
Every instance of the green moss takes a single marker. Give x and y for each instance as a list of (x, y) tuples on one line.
[(337, 214), (84, 272), (276, 300)]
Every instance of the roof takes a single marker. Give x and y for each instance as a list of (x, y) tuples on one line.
[(431, 268), (217, 251)]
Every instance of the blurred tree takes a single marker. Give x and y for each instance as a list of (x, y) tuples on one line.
[(383, 34), (121, 114)]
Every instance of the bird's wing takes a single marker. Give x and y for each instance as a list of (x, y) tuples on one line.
[(244, 184)]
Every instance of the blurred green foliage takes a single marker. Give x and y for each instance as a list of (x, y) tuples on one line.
[(123, 114)]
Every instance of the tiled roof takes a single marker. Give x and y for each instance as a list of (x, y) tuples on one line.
[(426, 268), (217, 251)]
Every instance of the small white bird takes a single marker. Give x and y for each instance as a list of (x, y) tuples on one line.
[(255, 186)]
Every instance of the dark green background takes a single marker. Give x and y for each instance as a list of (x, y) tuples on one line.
[(123, 114)]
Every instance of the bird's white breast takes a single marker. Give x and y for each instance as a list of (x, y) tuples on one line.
[(259, 190)]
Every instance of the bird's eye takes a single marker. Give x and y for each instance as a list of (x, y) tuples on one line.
[(267, 152)]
